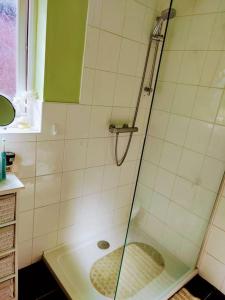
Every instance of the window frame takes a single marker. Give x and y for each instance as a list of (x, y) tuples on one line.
[(25, 98)]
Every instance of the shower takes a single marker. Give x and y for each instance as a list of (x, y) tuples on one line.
[(157, 37)]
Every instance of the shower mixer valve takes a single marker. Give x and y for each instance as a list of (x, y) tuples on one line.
[(124, 129)]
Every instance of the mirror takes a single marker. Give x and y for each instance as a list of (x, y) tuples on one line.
[(7, 111)]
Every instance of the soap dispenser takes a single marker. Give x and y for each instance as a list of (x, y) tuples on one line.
[(3, 163)]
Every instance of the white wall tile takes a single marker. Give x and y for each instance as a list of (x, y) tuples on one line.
[(219, 214), (190, 165), (198, 136), (113, 15), (203, 202), (134, 20), (93, 180), (111, 176), (177, 128), (170, 66), (155, 228), (47, 190), (217, 41), (72, 184), (25, 197), (75, 154), (206, 6), (46, 219), (70, 212), (212, 270), (183, 192), (87, 88), (24, 165), (217, 144), (153, 148), (212, 179), (109, 51), (158, 123), (191, 67), (200, 32), (129, 55), (184, 100), (170, 156), (212, 74), (25, 225), (96, 152), (104, 88), (124, 92), (207, 103), (91, 47), (164, 95), (24, 254), (43, 243), (128, 173), (159, 206), (78, 121), (53, 122), (164, 182), (216, 244), (177, 33), (49, 157), (94, 12), (148, 174), (100, 121)]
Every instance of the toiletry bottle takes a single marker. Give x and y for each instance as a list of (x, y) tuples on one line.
[(3, 163), (3, 159), (0, 167)]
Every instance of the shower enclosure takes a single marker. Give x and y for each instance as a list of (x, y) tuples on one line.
[(181, 166)]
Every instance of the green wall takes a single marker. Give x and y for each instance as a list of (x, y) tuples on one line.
[(64, 47)]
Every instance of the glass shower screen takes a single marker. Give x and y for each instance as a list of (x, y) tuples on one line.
[(180, 170)]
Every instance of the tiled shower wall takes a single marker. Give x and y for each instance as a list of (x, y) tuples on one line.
[(212, 261), (184, 157), (73, 189)]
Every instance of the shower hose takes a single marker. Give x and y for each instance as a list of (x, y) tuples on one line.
[(119, 162)]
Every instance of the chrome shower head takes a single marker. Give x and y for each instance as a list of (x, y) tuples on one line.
[(165, 14)]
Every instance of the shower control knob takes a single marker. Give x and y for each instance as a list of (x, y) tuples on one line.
[(148, 90)]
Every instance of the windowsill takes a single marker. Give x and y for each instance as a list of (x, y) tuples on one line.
[(34, 120), (8, 130)]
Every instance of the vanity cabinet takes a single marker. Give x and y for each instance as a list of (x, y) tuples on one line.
[(8, 236)]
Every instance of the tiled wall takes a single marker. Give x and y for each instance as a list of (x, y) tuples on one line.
[(72, 187), (184, 157), (212, 260)]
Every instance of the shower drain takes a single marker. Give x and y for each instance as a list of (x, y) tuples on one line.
[(103, 245)]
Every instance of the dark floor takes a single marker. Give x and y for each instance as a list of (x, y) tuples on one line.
[(200, 288), (37, 283)]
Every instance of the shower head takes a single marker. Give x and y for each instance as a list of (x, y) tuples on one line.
[(165, 14)]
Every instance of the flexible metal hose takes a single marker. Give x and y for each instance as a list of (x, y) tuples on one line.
[(119, 162)]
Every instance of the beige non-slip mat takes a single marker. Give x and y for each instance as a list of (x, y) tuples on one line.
[(141, 264), (183, 295)]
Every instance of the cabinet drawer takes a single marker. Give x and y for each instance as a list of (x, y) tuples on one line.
[(7, 265), (7, 208), (7, 238), (7, 290)]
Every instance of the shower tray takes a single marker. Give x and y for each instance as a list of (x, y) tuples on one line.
[(73, 265)]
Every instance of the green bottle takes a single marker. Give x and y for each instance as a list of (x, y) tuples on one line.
[(3, 163)]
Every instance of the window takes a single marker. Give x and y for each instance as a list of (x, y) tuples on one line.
[(8, 48), (17, 38)]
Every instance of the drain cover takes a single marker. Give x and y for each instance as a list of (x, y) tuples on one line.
[(103, 245)]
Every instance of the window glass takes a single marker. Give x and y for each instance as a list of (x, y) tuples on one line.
[(8, 14)]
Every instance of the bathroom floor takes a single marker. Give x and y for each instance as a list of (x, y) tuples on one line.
[(37, 283)]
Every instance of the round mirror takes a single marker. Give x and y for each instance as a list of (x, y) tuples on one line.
[(7, 111)]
